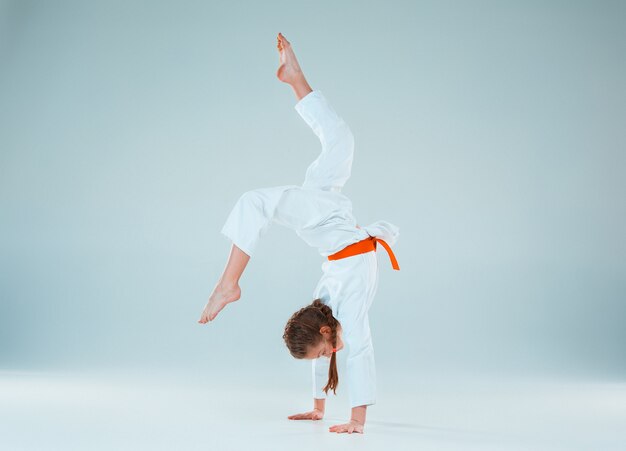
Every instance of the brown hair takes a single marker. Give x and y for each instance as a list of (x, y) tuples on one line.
[(303, 330)]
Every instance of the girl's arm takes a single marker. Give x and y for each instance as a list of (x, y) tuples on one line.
[(360, 365)]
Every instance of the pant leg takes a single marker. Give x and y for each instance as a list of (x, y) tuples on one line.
[(289, 206), (251, 216), (256, 209), (332, 168)]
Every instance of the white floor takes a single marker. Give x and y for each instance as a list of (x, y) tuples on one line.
[(54, 411)]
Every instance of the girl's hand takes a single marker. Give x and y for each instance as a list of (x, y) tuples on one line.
[(352, 426), (314, 414)]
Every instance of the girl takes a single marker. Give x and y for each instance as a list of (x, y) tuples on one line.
[(322, 216)]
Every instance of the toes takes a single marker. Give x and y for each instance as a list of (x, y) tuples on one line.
[(283, 39)]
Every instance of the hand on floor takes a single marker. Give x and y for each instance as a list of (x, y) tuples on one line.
[(352, 426), (315, 414)]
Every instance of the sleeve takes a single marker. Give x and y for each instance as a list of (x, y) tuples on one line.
[(320, 376), (360, 363), (332, 168)]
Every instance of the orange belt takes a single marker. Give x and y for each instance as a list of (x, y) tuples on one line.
[(363, 246)]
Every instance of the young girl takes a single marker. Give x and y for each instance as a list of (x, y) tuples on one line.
[(322, 216)]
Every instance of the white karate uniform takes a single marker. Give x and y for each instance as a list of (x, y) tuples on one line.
[(322, 216)]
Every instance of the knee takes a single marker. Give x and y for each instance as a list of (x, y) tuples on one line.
[(249, 197), (253, 199)]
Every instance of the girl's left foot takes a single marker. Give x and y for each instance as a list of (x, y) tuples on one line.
[(289, 70), (221, 296)]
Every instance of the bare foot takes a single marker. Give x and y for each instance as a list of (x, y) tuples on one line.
[(221, 296), (289, 70)]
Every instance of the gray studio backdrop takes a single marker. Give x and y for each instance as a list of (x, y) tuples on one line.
[(491, 133)]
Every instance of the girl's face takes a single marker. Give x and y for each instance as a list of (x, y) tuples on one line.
[(325, 347)]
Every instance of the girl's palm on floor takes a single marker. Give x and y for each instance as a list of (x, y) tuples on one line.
[(312, 415), (350, 427)]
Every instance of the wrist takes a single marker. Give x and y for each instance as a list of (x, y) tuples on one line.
[(358, 415)]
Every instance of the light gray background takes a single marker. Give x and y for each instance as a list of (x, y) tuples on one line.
[(491, 133)]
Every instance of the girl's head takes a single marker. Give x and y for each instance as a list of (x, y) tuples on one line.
[(313, 332)]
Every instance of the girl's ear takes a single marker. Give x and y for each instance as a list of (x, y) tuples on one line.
[(325, 330)]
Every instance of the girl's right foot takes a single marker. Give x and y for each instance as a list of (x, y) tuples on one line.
[(221, 296)]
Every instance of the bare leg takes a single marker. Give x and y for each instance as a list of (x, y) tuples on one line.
[(227, 289), (289, 70)]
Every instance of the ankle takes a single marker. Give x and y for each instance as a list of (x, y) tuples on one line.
[(298, 81), (301, 89), (228, 285)]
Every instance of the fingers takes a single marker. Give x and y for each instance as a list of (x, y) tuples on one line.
[(305, 416), (300, 416), (343, 428)]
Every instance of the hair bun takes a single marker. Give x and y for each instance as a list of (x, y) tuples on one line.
[(326, 311)]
